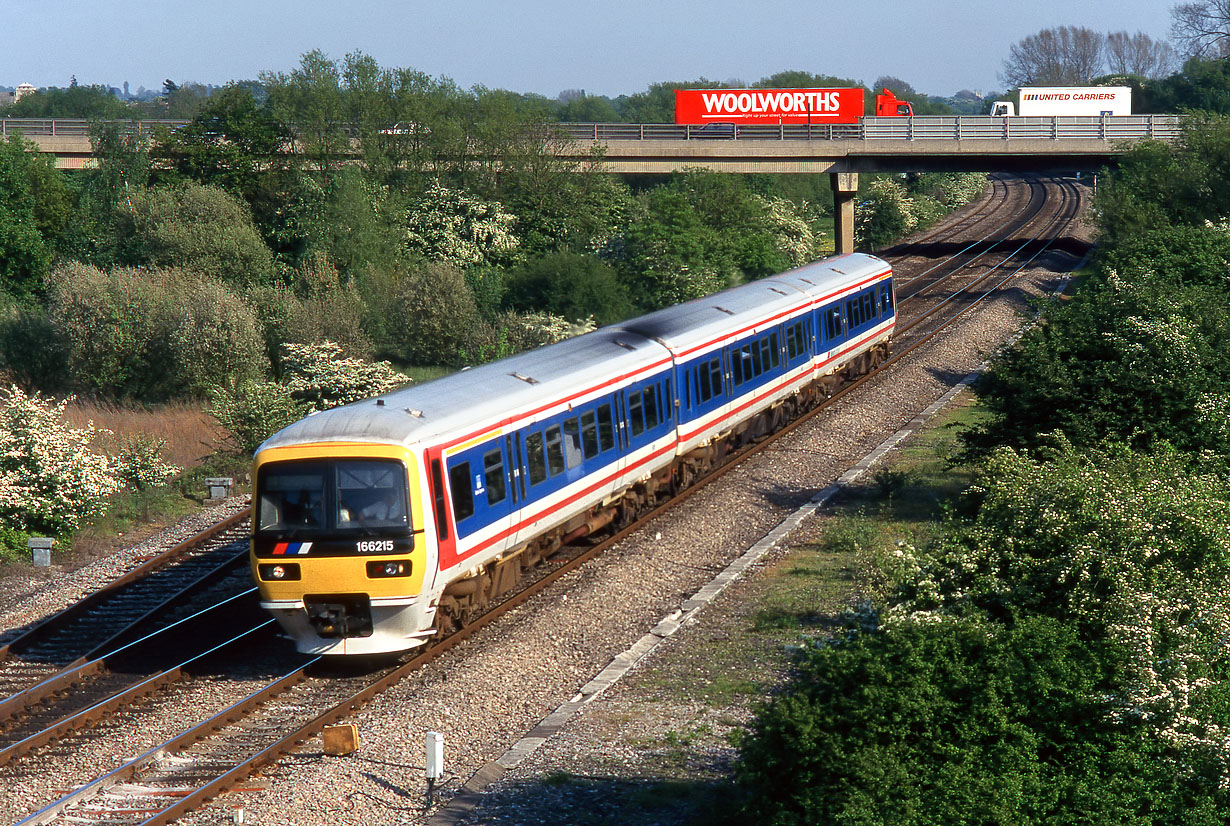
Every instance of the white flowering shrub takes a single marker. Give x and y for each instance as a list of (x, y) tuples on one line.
[(1132, 550), (315, 377), (140, 465), (252, 410), (525, 331), (321, 377), (794, 236), (892, 208), (454, 227), (50, 478)]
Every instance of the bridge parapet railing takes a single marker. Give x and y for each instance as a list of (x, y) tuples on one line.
[(72, 127), (961, 128)]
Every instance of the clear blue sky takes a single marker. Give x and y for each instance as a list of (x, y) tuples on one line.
[(544, 46)]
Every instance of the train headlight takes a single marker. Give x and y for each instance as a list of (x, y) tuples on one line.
[(389, 568), (281, 572)]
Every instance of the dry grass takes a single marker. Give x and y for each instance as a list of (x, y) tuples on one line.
[(190, 433)]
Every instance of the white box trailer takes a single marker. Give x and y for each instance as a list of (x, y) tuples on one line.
[(1065, 101)]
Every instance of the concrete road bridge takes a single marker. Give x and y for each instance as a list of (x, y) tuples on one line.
[(876, 144)]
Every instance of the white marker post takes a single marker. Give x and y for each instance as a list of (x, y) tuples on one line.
[(435, 761)]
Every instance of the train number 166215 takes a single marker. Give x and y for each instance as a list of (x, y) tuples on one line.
[(375, 546)]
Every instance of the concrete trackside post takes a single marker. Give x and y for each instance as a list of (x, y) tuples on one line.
[(845, 188)]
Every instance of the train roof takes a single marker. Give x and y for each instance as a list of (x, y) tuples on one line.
[(475, 397), (457, 404), (698, 324)]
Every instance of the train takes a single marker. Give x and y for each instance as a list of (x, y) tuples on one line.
[(381, 523)]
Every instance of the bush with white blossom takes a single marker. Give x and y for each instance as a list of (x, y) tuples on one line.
[(50, 478)]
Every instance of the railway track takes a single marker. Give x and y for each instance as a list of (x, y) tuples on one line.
[(186, 770)]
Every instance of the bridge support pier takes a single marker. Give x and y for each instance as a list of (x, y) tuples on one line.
[(845, 188)]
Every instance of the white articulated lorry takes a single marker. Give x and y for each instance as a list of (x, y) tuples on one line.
[(1066, 101)]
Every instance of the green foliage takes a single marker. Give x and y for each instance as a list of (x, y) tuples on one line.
[(1137, 360), (154, 334), (33, 210), (931, 722), (50, 479), (571, 285), (1132, 552), (228, 143), (94, 102), (251, 411), (1179, 254), (31, 353), (435, 319), (196, 227), (216, 337)]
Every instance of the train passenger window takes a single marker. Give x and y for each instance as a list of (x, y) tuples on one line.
[(606, 428), (668, 410), (775, 349), (589, 434), (763, 361), (715, 377), (497, 481), (741, 365), (533, 456), (572, 442), (555, 449), (832, 324), (869, 307), (709, 380), (650, 395), (636, 418), (794, 341), (459, 485)]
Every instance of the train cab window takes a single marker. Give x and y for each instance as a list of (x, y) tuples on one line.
[(493, 472), (606, 428), (589, 434), (555, 449), (459, 486), (292, 496), (533, 456), (370, 494), (572, 442), (636, 418), (886, 297)]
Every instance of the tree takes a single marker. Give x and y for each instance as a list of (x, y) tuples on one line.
[(1202, 29), (570, 285), (229, 143), (1064, 56), (1138, 54), (196, 227)]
